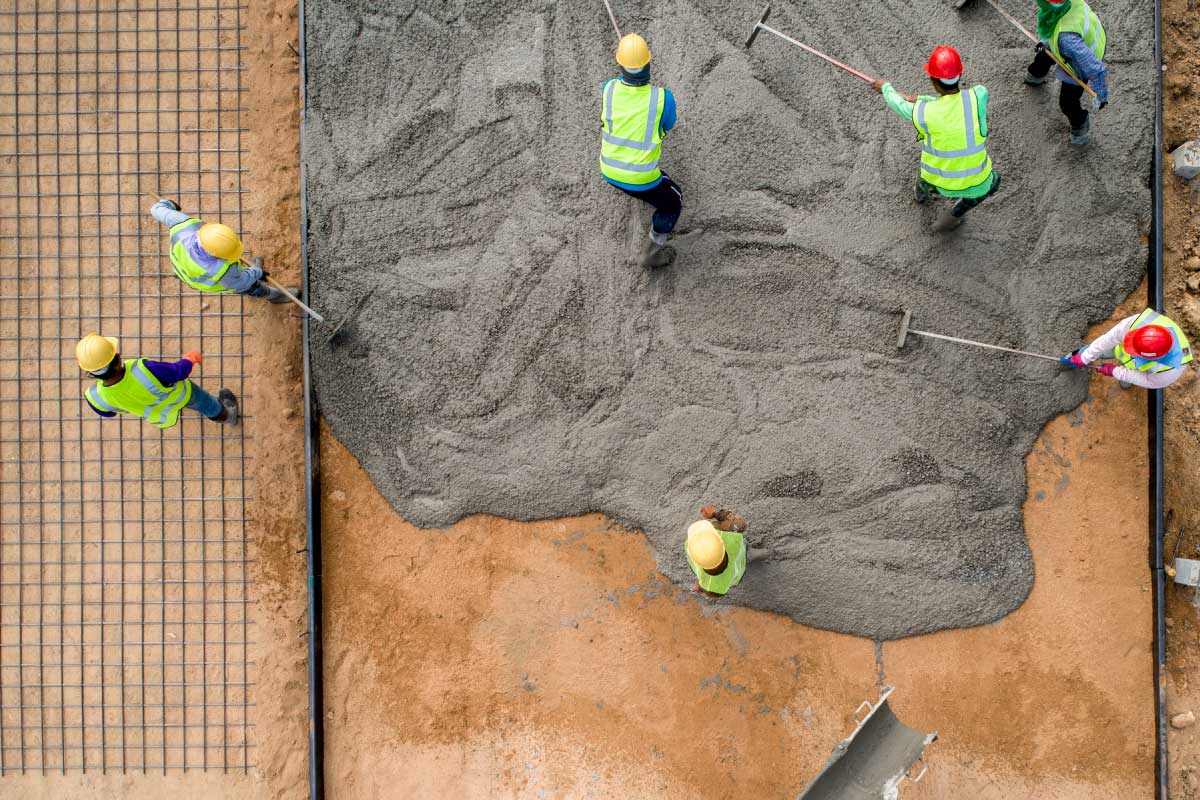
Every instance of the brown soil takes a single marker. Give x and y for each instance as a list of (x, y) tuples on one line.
[(497, 658), (1181, 38)]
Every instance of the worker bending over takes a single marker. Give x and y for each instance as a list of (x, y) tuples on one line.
[(952, 129), (716, 551), (208, 256), (634, 117), (154, 390), (1148, 350), (1072, 31)]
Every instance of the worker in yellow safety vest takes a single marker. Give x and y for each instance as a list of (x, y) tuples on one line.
[(1071, 31), (952, 129), (154, 390), (634, 117), (208, 256), (1148, 350), (716, 551)]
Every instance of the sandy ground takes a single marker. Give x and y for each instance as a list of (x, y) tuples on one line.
[(551, 659)]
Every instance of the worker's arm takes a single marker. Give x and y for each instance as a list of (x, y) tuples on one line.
[(981, 94), (240, 277), (897, 102), (170, 372), (98, 411), (1147, 380), (1081, 59), (165, 212), (668, 117), (1105, 345)]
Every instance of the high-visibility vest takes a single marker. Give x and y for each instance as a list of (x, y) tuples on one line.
[(631, 142), (1151, 317), (1082, 20), (193, 273), (140, 393), (953, 149), (735, 554)]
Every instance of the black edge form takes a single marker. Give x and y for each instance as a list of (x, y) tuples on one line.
[(1155, 434), (312, 478)]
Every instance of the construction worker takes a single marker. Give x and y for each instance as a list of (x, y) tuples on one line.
[(1071, 30), (207, 256), (716, 551), (952, 129), (634, 117), (154, 390), (1147, 350)]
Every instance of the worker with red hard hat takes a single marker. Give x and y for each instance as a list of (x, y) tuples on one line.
[(1148, 350), (952, 129), (1071, 31)]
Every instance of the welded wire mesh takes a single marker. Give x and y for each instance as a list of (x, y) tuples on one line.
[(124, 555)]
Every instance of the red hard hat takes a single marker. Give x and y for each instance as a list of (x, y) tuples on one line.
[(945, 64), (1149, 341)]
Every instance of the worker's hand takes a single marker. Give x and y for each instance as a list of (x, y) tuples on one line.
[(877, 85), (708, 512), (171, 204), (1074, 361), (1107, 369), (194, 357), (1098, 104)]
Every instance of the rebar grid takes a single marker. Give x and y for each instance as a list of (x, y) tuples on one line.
[(124, 553)]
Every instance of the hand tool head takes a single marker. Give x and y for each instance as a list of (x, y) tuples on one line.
[(761, 21), (907, 317)]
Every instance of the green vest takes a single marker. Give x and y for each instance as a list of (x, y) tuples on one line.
[(1082, 20), (953, 150), (631, 142), (189, 271), (735, 553), (140, 393), (1152, 317)]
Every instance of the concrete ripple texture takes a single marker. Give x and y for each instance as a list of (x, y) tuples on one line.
[(510, 358)]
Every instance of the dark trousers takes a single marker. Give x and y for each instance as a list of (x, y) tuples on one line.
[(667, 199), (1069, 96), (964, 204)]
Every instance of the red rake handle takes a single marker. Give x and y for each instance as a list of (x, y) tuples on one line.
[(818, 53)]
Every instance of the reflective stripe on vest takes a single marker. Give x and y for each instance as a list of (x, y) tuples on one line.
[(140, 393), (1082, 20), (953, 151), (1151, 317), (191, 272), (630, 142)]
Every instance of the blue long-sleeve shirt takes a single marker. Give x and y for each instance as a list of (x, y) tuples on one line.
[(665, 124), (167, 372), (238, 278), (1081, 59)]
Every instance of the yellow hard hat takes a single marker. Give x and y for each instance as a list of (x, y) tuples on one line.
[(95, 352), (633, 52), (704, 545), (220, 241)]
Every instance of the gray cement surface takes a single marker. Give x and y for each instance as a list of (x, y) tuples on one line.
[(513, 360)]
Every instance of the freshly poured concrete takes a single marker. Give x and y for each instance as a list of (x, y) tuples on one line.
[(512, 360)]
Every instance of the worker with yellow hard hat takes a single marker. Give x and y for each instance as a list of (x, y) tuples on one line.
[(208, 256), (634, 117), (716, 551), (154, 390)]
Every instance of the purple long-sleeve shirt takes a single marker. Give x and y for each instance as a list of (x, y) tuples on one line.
[(167, 372)]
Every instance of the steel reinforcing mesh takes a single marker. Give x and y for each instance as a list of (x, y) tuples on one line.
[(124, 551)]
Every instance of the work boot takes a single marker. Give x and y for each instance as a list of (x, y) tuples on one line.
[(920, 194), (654, 252), (278, 297), (946, 221), (229, 408), (1080, 135), (1034, 80)]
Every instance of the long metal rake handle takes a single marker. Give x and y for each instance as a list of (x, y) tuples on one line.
[(815, 52), (982, 344)]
